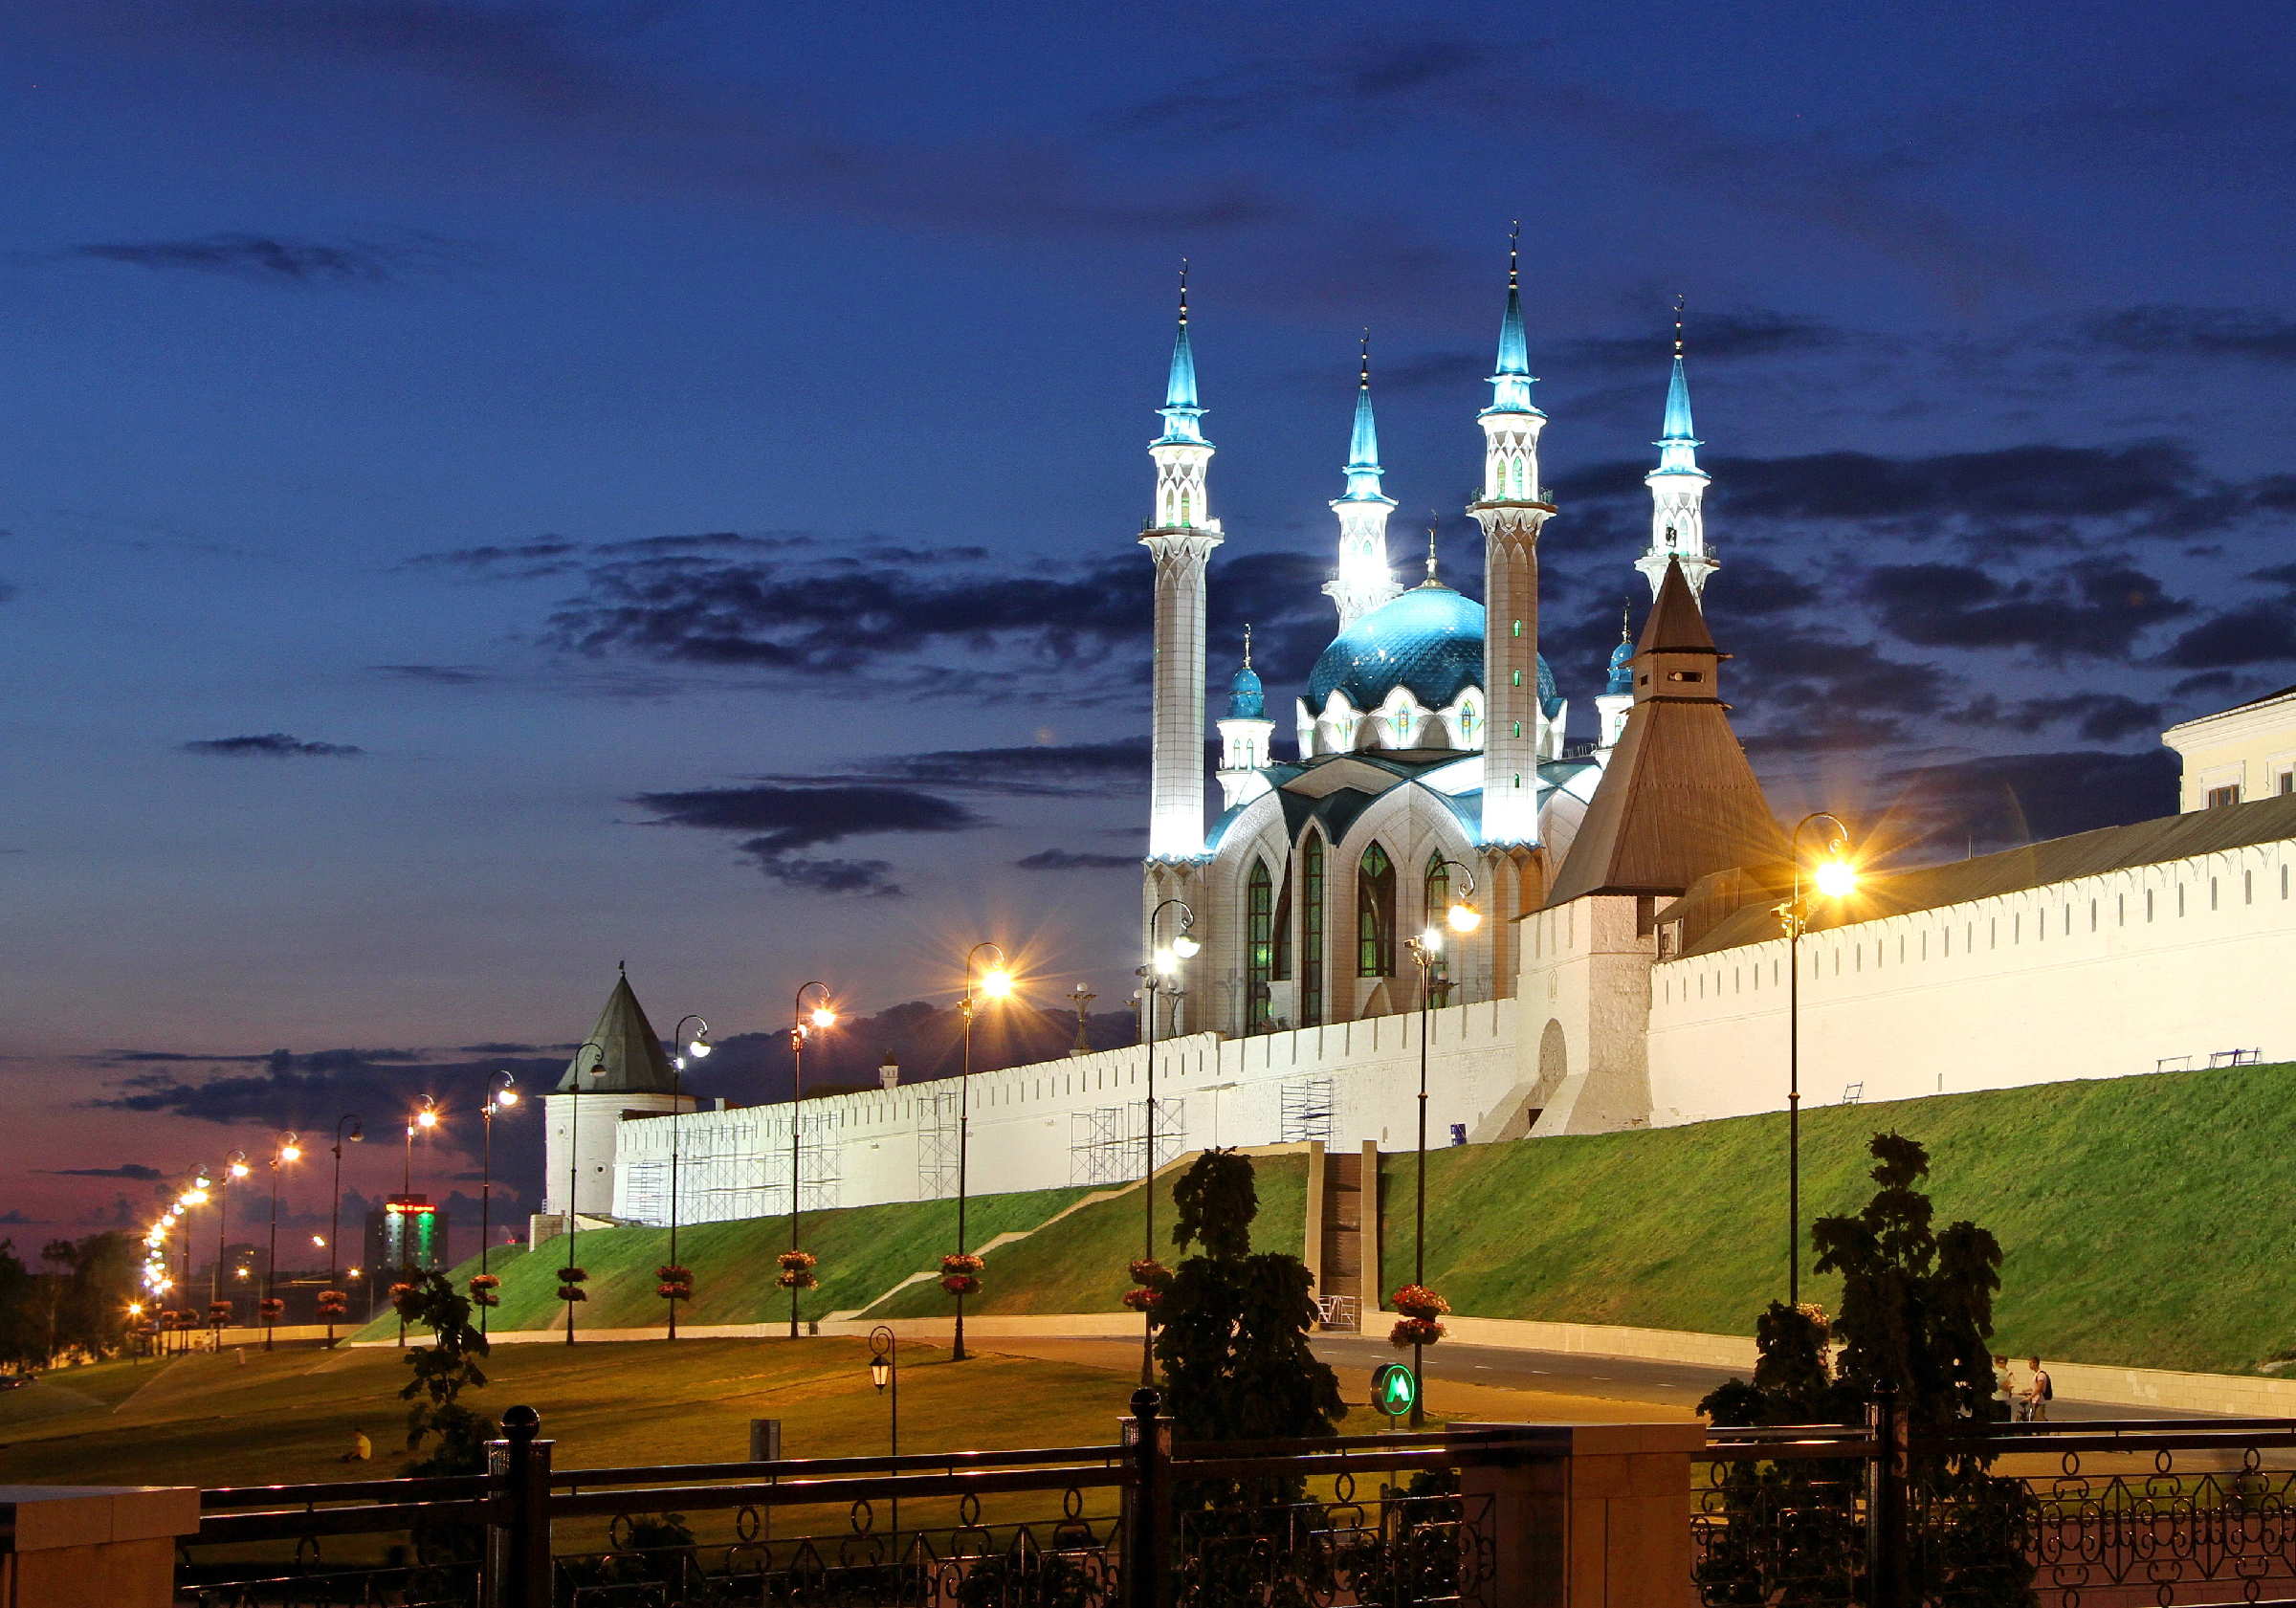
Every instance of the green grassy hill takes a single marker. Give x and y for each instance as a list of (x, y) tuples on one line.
[(2145, 1221)]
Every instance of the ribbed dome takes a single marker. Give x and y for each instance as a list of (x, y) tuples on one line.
[(1622, 670), (1246, 699)]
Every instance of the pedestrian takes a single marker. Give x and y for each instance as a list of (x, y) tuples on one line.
[(2001, 1391), (362, 1448), (2039, 1395)]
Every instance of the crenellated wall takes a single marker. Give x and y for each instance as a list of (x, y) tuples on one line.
[(1028, 1122)]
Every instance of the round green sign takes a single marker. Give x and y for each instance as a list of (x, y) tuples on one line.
[(1394, 1388)]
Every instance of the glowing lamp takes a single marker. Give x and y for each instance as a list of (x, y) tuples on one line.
[(824, 1017), (996, 983), (700, 1048), (290, 1153), (320, 1239), (239, 1169), (1837, 879), (1431, 940), (1464, 917), (1165, 962), (1186, 947), (880, 1372), (426, 1118), (510, 1096)]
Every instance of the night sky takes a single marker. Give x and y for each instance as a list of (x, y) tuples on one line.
[(492, 491)]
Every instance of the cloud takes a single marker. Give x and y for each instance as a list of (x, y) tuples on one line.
[(1066, 860), (2208, 331), (127, 1169), (791, 819), (2012, 799), (272, 745), (2034, 480), (2094, 607), (1714, 338), (2094, 716), (526, 560), (17, 1219), (2263, 632), (281, 259), (1342, 77), (1038, 770), (440, 675)]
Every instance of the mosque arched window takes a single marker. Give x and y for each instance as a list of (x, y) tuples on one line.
[(1403, 722), (1310, 929), (1375, 915), (1279, 964), (1184, 507), (1466, 725), (1259, 952)]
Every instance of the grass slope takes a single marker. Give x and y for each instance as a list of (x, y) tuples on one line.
[(864, 1251), (1080, 1263), (2145, 1221)]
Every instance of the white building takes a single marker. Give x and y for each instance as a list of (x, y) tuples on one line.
[(1630, 968)]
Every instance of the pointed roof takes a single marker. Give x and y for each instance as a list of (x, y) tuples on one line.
[(1181, 409), (1678, 800), (1677, 446), (633, 1062), (1363, 469), (1511, 385)]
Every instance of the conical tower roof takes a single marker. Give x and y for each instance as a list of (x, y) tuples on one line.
[(633, 1062), (1678, 800)]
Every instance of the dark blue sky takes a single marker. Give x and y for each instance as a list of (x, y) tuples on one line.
[(615, 455)]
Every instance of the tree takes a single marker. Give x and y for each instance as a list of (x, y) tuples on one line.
[(1916, 1313), (442, 1370)]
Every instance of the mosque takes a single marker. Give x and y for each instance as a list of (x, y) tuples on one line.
[(1628, 962)]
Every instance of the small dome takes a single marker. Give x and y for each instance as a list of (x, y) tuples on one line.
[(1246, 700), (1622, 670)]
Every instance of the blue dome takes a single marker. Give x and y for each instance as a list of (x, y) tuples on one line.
[(1246, 700), (1430, 640), (1622, 670)]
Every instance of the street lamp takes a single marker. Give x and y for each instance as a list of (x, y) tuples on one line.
[(424, 1119), (885, 1372), (574, 1164), (697, 1046), (499, 1098), (332, 1299), (1836, 877), (801, 1023), (1426, 949), (996, 983), (234, 1166), (1162, 971), (289, 1147)]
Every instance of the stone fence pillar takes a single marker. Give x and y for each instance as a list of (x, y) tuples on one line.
[(1591, 1515), (92, 1546)]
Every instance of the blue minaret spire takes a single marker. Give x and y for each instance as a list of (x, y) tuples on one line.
[(1677, 490), (1180, 409), (1677, 443), (1363, 469), (1510, 386)]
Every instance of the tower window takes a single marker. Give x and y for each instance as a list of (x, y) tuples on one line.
[(1518, 728), (1375, 915), (1519, 627), (1685, 676), (1518, 678), (1310, 929), (1259, 904)]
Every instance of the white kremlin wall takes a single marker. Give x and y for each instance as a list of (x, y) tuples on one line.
[(2133, 971), (1028, 1122)]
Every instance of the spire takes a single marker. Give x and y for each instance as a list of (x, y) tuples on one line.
[(1430, 581), (1248, 645), (1180, 409), (1511, 385), (1675, 625), (1677, 442), (1363, 469)]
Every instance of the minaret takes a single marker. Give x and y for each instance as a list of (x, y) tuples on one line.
[(1511, 509), (1677, 491), (1618, 686), (1244, 735), (1363, 581), (1180, 537)]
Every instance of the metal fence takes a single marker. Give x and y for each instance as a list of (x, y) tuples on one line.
[(2092, 1515)]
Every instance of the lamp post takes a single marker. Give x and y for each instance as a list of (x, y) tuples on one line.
[(801, 1023), (1835, 877), (1083, 997), (699, 1046), (289, 1147), (357, 1134), (885, 1372), (497, 1099), (1162, 971), (1426, 949), (234, 1166), (424, 1117), (996, 983), (574, 1162)]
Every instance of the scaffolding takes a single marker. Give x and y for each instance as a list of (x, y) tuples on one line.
[(1096, 1147), (1307, 1111), (937, 1145)]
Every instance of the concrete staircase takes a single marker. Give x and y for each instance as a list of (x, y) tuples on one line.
[(1341, 1248)]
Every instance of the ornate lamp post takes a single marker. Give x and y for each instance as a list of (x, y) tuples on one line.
[(1083, 999), (574, 1167), (885, 1372), (234, 1166), (801, 1023), (499, 1097), (357, 1134), (289, 1147), (1426, 949), (1162, 971), (424, 1119), (697, 1046), (996, 983), (1836, 877)]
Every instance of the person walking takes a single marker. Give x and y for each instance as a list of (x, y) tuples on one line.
[(2039, 1395), (2002, 1390)]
